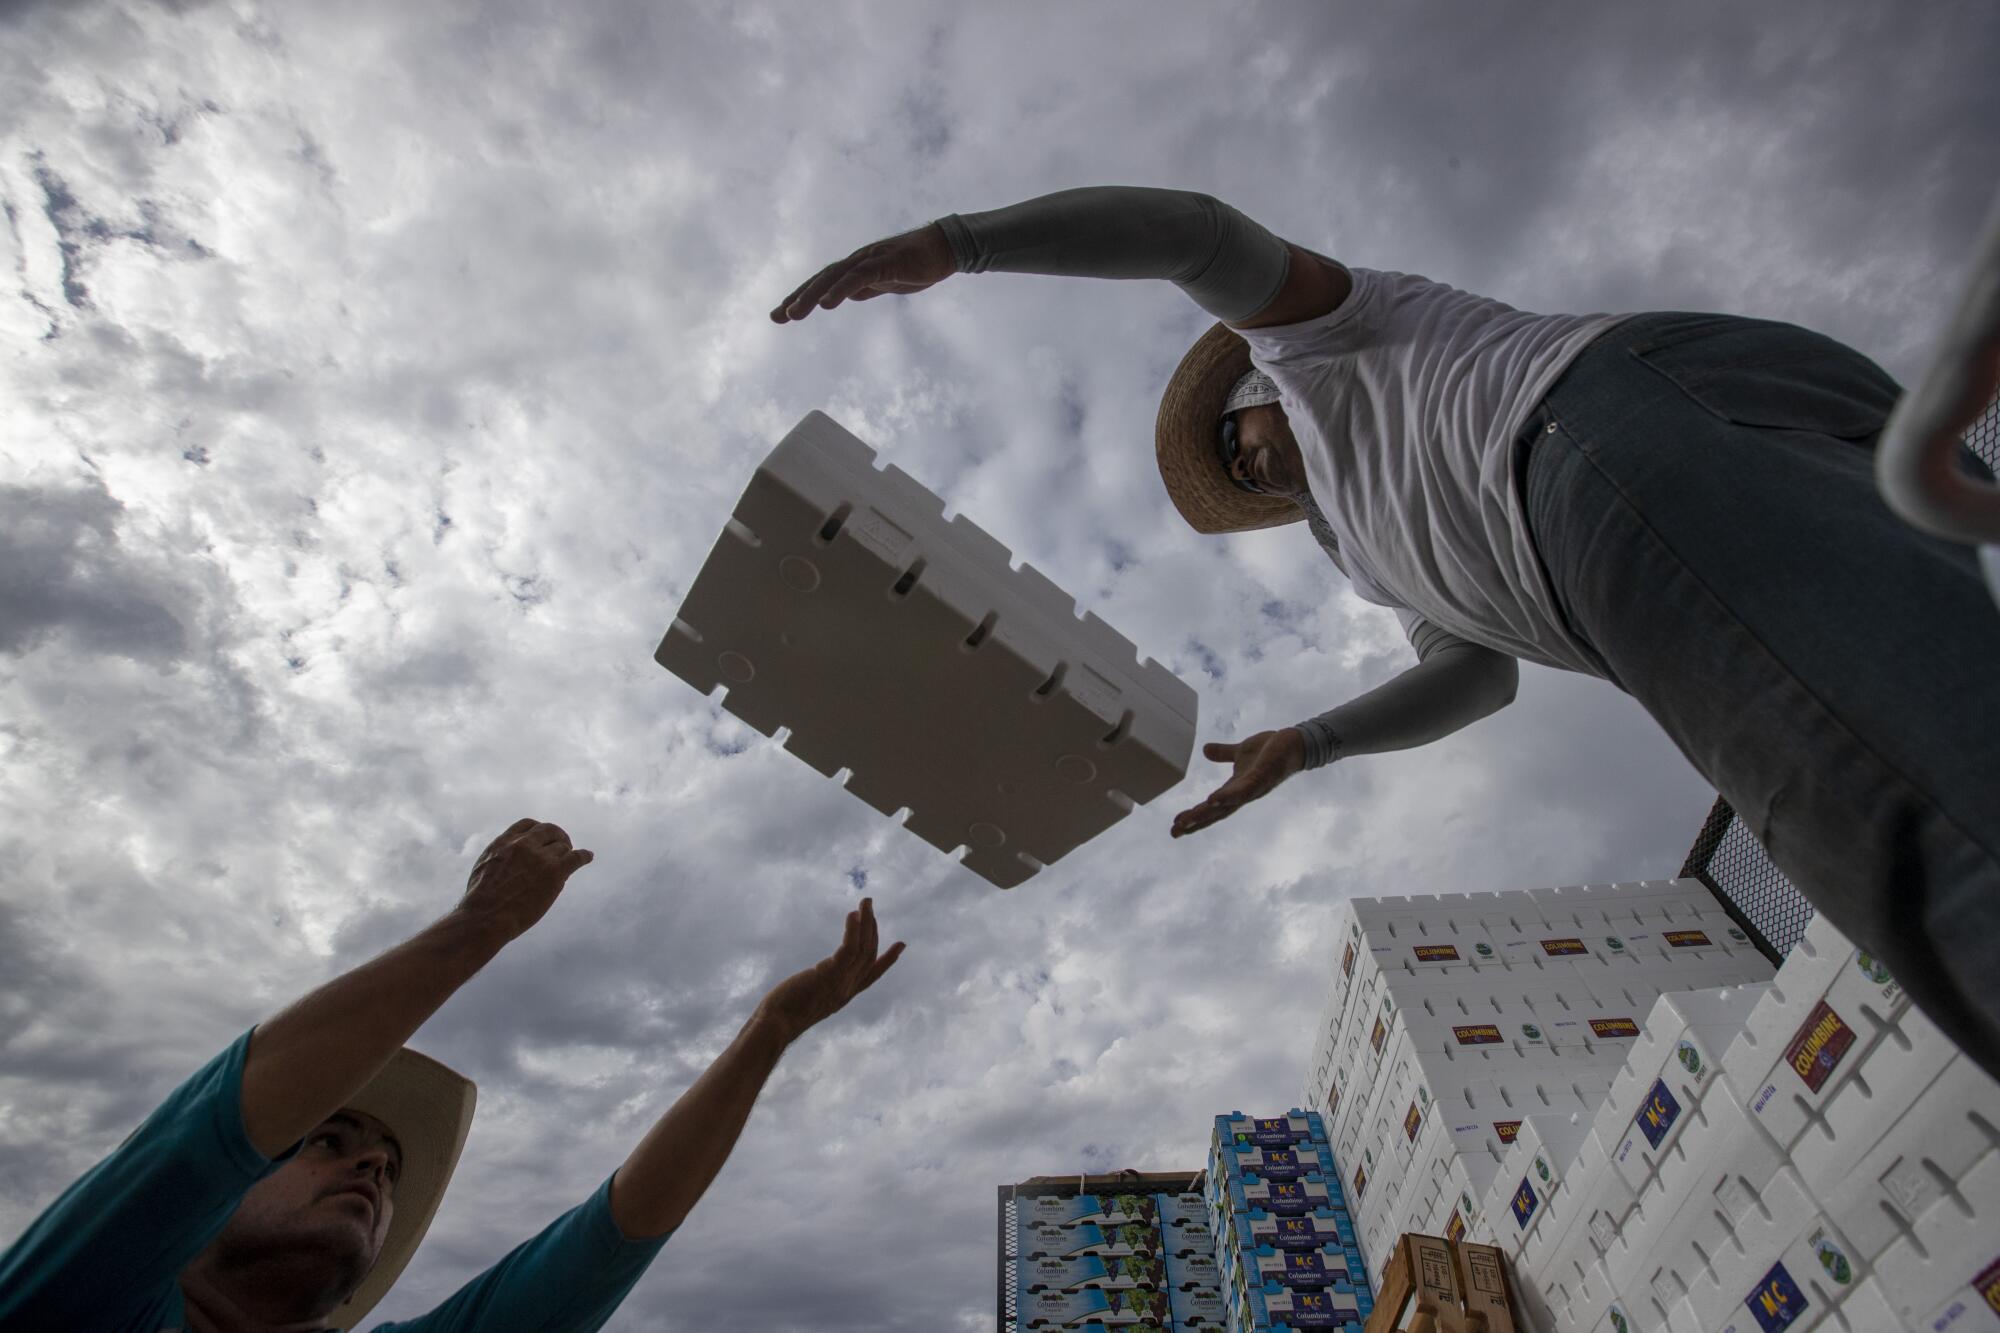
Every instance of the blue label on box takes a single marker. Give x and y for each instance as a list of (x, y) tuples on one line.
[(1525, 1203), (1777, 1301), (1658, 1114)]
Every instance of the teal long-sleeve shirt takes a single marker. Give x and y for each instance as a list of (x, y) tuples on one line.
[(109, 1252)]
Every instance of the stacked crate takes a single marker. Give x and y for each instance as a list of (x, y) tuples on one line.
[(1455, 1020), (1106, 1261), (1286, 1252), (1838, 1166)]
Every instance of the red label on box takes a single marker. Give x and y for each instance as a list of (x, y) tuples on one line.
[(1455, 1228), (1478, 1034), (1435, 953), (1557, 948), (1360, 1181), (1686, 939), (1821, 1040), (1506, 1129), (1332, 1098), (1347, 961), (1411, 1121), (1614, 1027), (1987, 1284), (1376, 1039)]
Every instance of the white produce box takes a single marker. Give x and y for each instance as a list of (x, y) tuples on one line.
[(909, 651)]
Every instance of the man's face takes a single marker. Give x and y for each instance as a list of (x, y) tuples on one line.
[(1266, 453), (328, 1208)]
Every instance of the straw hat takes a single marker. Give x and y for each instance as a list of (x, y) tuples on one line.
[(429, 1109), (1184, 441)]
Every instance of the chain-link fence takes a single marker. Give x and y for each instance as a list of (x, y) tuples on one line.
[(1728, 859)]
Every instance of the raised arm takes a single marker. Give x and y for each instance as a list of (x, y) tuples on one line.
[(311, 1059), (679, 1157), (1230, 266), (1453, 685)]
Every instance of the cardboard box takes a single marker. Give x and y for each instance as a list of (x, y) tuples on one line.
[(1113, 1309), (1097, 1209), (1099, 1242), (1084, 1273), (1297, 1126)]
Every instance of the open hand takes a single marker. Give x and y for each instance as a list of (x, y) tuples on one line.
[(823, 990), (902, 264), (1262, 762), (517, 878)]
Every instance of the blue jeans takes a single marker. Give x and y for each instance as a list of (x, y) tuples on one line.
[(1701, 491)]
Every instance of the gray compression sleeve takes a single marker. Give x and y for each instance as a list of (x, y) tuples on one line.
[(1227, 264), (1453, 685)]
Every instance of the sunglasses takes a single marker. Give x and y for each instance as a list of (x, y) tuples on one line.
[(1226, 447)]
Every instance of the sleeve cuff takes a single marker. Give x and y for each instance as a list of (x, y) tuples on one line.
[(1322, 745)]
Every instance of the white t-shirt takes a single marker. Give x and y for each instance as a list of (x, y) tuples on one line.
[(1405, 402)]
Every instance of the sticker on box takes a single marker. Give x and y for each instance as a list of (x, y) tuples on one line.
[(1777, 1302), (1435, 953), (1559, 948), (1506, 1130), (1687, 939), (1658, 1113), (1411, 1121), (1818, 1046), (1524, 1204), (1478, 1034), (1613, 1027)]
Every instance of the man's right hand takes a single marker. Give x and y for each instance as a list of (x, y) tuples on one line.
[(519, 876), (1261, 763), (900, 264)]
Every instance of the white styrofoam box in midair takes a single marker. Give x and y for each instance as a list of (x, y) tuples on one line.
[(1951, 1254), (839, 603), (1911, 1167)]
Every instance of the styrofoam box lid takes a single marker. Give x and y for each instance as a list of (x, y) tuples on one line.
[(839, 603)]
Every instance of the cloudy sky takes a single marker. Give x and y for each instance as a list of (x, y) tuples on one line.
[(376, 377)]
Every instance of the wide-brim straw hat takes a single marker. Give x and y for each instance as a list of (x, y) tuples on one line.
[(1184, 441), (429, 1109)]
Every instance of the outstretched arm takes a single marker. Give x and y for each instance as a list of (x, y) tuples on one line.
[(1230, 266), (679, 1157), (1454, 685), (311, 1059)]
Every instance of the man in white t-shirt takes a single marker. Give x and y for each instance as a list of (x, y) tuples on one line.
[(1682, 504)]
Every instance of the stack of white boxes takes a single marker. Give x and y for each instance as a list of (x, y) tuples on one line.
[(1456, 1020), (1805, 1153), (1839, 1167)]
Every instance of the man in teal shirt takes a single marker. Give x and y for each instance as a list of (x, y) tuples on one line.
[(286, 1184)]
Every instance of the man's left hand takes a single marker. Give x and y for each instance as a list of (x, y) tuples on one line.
[(823, 990)]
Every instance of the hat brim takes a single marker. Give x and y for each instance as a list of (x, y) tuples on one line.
[(1184, 441), (428, 1107)]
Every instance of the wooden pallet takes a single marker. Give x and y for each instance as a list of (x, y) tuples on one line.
[(1454, 1286)]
